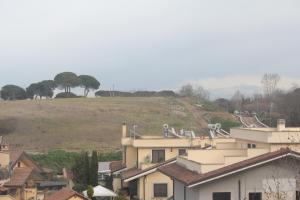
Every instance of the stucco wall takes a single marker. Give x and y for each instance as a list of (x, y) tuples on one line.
[(149, 181), (131, 157), (4, 159), (147, 152)]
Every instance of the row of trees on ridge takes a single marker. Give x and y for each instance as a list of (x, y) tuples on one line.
[(63, 81)]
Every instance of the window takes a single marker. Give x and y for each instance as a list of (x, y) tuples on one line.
[(251, 146), (19, 164), (297, 195), (221, 196), (182, 152), (158, 156), (161, 190), (255, 196)]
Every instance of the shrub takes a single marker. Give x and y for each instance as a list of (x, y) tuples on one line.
[(66, 95)]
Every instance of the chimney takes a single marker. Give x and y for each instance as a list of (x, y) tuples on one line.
[(124, 130), (280, 124)]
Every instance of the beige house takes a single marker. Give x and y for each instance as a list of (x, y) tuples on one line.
[(143, 155), (146, 156)]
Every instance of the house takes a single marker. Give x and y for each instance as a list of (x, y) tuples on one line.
[(138, 173), (21, 177), (273, 175), (66, 194), (103, 172)]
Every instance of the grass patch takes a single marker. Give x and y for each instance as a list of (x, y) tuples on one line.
[(58, 159), (226, 123)]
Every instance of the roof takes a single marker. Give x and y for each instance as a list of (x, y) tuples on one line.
[(52, 183), (64, 194), (180, 173), (16, 156), (134, 173), (116, 166), (103, 167), (100, 191), (19, 176), (193, 178)]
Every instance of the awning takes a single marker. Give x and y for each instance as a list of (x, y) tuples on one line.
[(100, 191)]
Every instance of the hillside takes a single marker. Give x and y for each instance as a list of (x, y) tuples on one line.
[(76, 124)]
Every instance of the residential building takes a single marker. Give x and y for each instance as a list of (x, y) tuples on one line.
[(142, 155), (257, 157), (66, 194), (104, 172), (22, 178), (270, 176)]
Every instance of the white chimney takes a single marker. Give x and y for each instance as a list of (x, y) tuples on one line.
[(280, 124), (124, 130)]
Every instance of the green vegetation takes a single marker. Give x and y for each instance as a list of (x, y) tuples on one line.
[(89, 83), (41, 89), (56, 160), (208, 105), (110, 156), (226, 123), (64, 95), (13, 92)]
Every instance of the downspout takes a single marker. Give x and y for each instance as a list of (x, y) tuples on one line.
[(173, 188), (184, 193), (137, 157), (239, 183), (144, 184)]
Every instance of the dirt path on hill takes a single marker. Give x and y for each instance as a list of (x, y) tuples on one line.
[(197, 114)]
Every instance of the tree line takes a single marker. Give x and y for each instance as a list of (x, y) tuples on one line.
[(269, 105), (45, 89)]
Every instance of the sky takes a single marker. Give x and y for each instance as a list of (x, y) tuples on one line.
[(151, 45)]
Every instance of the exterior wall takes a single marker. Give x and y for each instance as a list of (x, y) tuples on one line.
[(149, 181), (294, 147), (214, 156), (30, 193), (4, 159), (143, 153), (191, 193), (6, 197), (116, 184), (131, 157), (255, 180), (250, 134), (75, 197)]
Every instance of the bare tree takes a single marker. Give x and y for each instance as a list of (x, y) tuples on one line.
[(186, 90), (269, 83), (201, 93)]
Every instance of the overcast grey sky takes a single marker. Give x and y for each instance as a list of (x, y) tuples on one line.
[(153, 44)]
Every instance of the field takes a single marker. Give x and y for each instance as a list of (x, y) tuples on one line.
[(86, 124)]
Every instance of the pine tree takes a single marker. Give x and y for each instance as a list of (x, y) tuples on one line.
[(86, 167), (93, 175), (79, 170)]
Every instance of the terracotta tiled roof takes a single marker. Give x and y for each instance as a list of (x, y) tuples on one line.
[(135, 172), (186, 176), (130, 173), (180, 173), (19, 176), (64, 194), (116, 166), (16, 156)]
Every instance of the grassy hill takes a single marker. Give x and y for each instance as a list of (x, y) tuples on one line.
[(76, 124)]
